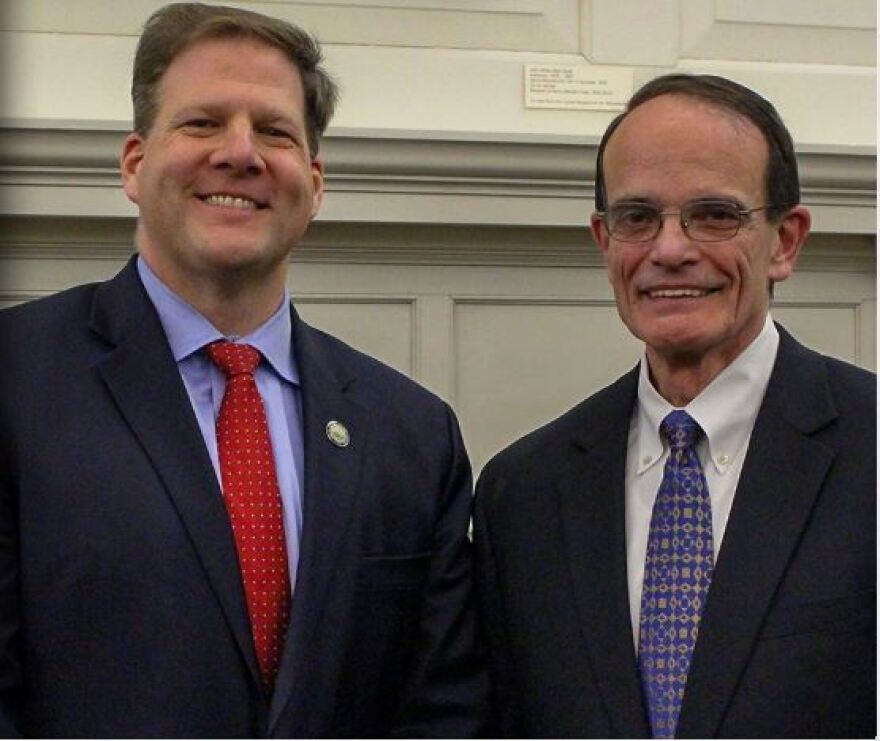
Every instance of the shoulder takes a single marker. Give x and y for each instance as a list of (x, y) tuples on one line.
[(412, 434), (854, 394), (533, 449), (824, 397), (69, 305), (46, 325), (544, 450), (369, 375), (851, 379), (400, 413), (851, 389), (852, 382)]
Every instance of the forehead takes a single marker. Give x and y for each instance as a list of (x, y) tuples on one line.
[(214, 64), (675, 147)]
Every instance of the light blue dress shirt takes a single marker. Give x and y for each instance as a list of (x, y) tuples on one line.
[(277, 380)]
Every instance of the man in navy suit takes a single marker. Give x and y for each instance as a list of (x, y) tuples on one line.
[(691, 551), (122, 605)]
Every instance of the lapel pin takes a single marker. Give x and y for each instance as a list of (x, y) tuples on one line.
[(337, 433)]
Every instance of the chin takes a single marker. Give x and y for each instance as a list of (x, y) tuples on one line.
[(683, 341), (235, 254)]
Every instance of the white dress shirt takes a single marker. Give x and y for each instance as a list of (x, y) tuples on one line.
[(726, 410)]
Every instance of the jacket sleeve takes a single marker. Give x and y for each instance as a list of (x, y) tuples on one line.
[(10, 603), (506, 720), (447, 695)]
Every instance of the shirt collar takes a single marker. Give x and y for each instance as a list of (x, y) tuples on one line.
[(726, 409), (188, 331)]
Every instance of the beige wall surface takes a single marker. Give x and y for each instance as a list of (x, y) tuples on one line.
[(453, 241), (457, 67)]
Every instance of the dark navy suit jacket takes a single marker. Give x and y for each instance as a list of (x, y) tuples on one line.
[(121, 606), (787, 644)]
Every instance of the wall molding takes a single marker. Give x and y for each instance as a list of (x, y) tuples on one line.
[(404, 178), (353, 243)]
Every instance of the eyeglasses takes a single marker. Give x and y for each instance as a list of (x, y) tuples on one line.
[(702, 221)]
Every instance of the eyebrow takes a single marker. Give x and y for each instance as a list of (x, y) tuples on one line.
[(637, 199), (262, 115), (634, 201), (641, 200)]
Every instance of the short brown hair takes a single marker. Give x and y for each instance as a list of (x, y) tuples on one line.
[(175, 27), (781, 179)]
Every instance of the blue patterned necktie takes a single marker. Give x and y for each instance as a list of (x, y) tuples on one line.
[(678, 570)]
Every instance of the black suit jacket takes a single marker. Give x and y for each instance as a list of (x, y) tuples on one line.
[(121, 606), (787, 644)]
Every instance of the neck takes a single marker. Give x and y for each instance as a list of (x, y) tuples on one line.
[(679, 384), (239, 311), (680, 376), (235, 302)]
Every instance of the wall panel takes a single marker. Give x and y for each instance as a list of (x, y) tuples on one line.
[(384, 326), (511, 338), (525, 25), (756, 31), (521, 362)]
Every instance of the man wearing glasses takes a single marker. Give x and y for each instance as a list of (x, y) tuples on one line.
[(691, 551)]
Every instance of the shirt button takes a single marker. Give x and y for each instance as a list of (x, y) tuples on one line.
[(723, 460), (646, 460)]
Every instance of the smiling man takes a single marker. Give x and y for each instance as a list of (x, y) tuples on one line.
[(691, 551), (215, 520)]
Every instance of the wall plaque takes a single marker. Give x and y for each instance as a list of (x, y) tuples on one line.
[(577, 87)]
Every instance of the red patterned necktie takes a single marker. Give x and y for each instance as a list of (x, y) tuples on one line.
[(250, 491)]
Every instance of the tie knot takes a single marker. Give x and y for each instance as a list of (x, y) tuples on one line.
[(680, 429), (233, 358)]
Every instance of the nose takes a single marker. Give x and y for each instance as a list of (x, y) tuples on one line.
[(672, 246), (238, 150)]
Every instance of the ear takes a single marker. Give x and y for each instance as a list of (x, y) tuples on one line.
[(791, 233), (600, 233), (317, 185), (129, 164)]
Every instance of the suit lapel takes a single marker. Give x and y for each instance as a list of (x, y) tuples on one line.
[(332, 474), (145, 384), (592, 505), (781, 476)]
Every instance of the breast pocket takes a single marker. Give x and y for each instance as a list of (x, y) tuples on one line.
[(842, 615), (393, 573)]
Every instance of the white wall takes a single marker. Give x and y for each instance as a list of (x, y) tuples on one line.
[(456, 66)]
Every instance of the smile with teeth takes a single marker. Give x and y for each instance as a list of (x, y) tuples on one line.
[(226, 201), (679, 293)]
